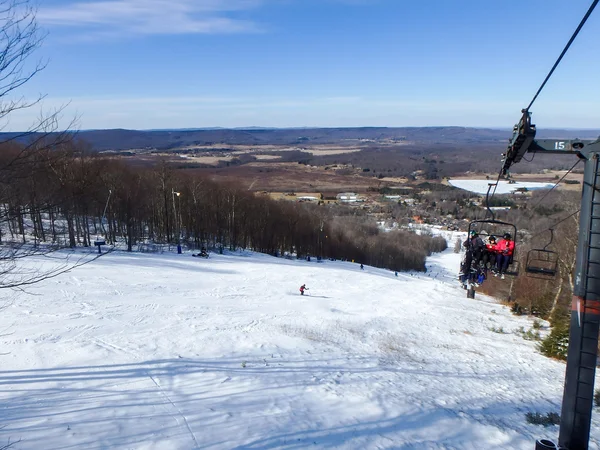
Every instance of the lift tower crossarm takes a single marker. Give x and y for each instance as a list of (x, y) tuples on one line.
[(577, 147), (523, 141)]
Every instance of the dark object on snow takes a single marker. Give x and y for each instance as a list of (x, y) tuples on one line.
[(99, 242), (302, 289), (545, 444), (202, 254)]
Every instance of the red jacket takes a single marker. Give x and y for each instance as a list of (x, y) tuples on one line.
[(491, 247), (505, 247)]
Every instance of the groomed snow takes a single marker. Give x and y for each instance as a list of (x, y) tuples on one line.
[(481, 186), (167, 351)]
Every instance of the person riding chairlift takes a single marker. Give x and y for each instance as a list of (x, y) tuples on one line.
[(489, 253), (470, 270), (504, 249), (474, 246)]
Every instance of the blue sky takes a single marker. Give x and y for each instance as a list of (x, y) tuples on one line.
[(201, 63)]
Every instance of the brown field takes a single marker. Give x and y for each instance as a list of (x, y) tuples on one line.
[(290, 177), (332, 151), (215, 153), (211, 160), (323, 149), (273, 176), (266, 157), (294, 196)]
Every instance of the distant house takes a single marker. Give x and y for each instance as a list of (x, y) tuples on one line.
[(348, 197)]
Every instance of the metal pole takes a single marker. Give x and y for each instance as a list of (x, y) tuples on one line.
[(174, 210), (578, 397), (177, 222)]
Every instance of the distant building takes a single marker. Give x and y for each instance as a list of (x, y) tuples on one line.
[(348, 197)]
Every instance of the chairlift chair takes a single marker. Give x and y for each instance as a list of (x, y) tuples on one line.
[(492, 227), (541, 262)]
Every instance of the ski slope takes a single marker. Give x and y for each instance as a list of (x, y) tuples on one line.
[(166, 351)]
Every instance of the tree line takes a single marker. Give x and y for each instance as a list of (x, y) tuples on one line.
[(64, 194)]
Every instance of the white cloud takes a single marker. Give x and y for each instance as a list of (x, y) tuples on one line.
[(152, 16)]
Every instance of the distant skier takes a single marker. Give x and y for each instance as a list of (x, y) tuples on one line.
[(362, 267), (302, 289)]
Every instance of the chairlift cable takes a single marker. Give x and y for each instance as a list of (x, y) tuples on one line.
[(556, 184), (553, 226), (585, 18), (495, 187), (562, 54)]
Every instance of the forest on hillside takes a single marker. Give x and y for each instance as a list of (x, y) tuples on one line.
[(56, 192)]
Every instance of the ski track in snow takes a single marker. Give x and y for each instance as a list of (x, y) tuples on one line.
[(142, 351)]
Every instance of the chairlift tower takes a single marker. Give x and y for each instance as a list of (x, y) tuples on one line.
[(578, 396)]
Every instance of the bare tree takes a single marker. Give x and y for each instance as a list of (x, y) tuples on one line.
[(29, 194)]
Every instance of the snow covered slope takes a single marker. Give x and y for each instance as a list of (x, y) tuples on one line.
[(167, 351), (504, 187)]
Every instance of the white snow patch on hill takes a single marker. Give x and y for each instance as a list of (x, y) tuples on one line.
[(504, 187)]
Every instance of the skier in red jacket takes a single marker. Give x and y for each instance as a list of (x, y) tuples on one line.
[(302, 289)]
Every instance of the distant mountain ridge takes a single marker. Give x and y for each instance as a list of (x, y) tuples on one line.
[(122, 139)]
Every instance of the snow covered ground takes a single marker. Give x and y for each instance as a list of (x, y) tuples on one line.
[(148, 351), (481, 186)]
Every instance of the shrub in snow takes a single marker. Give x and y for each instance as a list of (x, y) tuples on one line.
[(555, 345), (499, 330), (529, 335), (517, 309), (547, 419)]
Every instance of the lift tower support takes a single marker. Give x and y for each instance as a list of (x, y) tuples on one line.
[(578, 396)]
